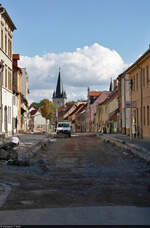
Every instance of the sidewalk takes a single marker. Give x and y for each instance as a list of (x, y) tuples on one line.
[(140, 147), (107, 215)]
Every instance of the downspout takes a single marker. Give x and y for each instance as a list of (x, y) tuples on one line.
[(141, 102), (1, 74), (125, 103)]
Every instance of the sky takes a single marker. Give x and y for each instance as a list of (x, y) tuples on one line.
[(91, 40)]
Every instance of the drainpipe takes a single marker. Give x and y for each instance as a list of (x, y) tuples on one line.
[(141, 102), (1, 74), (125, 103)]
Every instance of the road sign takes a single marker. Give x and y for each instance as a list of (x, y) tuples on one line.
[(130, 104)]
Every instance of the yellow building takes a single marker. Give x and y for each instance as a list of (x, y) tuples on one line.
[(138, 77), (101, 117), (106, 118)]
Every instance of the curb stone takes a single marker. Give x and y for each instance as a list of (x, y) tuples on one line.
[(135, 149)]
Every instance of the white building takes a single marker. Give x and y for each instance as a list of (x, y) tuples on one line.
[(37, 123), (6, 96)]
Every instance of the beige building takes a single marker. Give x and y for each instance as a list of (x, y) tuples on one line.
[(106, 118), (17, 95), (136, 97), (24, 99)]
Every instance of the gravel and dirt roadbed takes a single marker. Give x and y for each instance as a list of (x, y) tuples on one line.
[(76, 172)]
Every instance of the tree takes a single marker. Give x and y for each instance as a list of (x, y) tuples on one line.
[(47, 109), (34, 105)]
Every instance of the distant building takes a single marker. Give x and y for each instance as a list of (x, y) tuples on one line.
[(16, 114), (37, 123), (59, 96), (24, 99), (92, 96)]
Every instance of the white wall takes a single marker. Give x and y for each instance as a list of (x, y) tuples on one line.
[(7, 101), (39, 120)]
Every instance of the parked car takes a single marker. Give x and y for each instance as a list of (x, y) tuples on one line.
[(63, 128)]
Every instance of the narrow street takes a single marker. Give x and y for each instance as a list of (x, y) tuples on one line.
[(78, 171)]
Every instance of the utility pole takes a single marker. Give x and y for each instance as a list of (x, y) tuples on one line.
[(131, 85)]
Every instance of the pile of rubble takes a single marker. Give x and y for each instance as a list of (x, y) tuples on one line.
[(17, 153), (11, 152)]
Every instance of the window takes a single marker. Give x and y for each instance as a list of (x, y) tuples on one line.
[(9, 114), (144, 115), (133, 83), (9, 48), (144, 77), (5, 44), (147, 74), (137, 82), (137, 116), (148, 115), (3, 78), (2, 41), (6, 81), (9, 80)]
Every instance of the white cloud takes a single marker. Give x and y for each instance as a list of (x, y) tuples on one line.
[(91, 66)]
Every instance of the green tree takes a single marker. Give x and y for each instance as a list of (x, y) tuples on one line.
[(47, 109), (34, 105)]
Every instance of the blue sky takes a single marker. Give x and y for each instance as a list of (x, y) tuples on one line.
[(58, 26), (64, 25)]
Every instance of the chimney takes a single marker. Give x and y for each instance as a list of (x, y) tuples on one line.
[(115, 84)]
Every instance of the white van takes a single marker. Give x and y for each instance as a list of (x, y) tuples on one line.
[(63, 128)]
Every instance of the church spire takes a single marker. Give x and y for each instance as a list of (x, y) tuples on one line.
[(110, 87), (60, 93), (59, 88), (59, 96)]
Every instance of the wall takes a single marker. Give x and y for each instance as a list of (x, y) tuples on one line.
[(7, 101)]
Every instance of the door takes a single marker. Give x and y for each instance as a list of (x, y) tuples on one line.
[(5, 120)]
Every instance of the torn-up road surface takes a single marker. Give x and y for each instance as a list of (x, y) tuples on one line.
[(75, 172)]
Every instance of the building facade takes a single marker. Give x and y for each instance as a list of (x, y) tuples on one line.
[(24, 99), (16, 95), (6, 95), (138, 102)]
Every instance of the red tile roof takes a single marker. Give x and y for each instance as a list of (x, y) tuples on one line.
[(95, 93), (33, 112)]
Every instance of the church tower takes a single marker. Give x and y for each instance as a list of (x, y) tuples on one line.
[(59, 96)]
